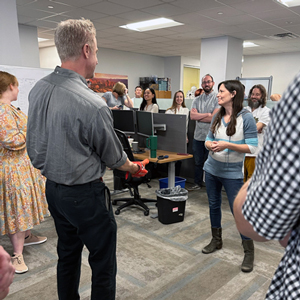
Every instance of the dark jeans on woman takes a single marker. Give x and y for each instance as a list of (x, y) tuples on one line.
[(214, 192), (200, 154), (83, 216)]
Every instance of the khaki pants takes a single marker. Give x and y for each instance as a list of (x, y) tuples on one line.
[(249, 166)]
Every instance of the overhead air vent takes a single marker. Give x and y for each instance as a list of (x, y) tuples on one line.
[(285, 35)]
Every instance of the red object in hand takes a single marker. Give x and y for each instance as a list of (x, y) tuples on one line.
[(142, 170)]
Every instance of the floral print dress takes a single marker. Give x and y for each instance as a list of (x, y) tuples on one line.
[(22, 187)]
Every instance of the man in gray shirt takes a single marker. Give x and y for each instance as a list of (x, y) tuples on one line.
[(71, 139), (202, 109)]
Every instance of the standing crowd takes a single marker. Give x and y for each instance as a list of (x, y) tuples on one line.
[(61, 153)]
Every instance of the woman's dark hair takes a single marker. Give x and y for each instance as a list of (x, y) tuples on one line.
[(144, 102), (262, 91), (237, 105)]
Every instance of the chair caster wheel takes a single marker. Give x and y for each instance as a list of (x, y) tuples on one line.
[(146, 212), (117, 212), (114, 202)]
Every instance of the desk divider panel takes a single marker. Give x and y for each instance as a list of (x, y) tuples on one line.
[(174, 138)]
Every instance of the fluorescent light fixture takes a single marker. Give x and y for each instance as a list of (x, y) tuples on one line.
[(289, 3), (42, 40), (152, 24), (249, 44)]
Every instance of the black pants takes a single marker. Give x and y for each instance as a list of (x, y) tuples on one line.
[(82, 217)]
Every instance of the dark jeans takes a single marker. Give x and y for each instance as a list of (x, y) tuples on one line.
[(82, 218), (200, 156), (214, 188)]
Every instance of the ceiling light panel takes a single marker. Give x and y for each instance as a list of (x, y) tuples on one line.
[(151, 24), (289, 3)]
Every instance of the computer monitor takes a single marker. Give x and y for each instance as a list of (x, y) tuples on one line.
[(144, 122), (124, 120)]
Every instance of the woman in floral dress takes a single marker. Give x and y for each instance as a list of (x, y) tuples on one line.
[(22, 187)]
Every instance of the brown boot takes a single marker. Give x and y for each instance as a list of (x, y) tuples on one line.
[(247, 265), (216, 241)]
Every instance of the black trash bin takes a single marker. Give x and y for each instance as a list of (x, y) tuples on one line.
[(171, 204)]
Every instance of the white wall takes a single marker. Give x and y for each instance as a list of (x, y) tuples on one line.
[(10, 50), (172, 70), (115, 62), (29, 46), (282, 66)]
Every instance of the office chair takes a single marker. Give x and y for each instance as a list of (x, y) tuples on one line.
[(131, 183)]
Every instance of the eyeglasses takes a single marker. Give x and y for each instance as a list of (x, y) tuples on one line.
[(206, 82)]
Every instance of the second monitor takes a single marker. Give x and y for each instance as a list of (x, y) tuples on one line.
[(124, 120), (144, 122)]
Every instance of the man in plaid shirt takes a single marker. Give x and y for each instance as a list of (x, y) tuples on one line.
[(268, 205)]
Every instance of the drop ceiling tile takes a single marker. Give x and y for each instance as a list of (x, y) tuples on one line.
[(255, 25), (184, 29), (33, 13), (56, 18), (78, 3), (197, 20), (276, 14), (196, 5), (225, 30), (237, 20), (122, 38), (160, 32), (115, 30), (44, 5), (231, 2), (137, 4), (286, 22), (24, 2), (159, 39), (78, 13), (187, 35), (136, 16), (270, 32), (138, 35), (108, 8), (44, 24), (249, 36), (100, 34), (295, 9), (164, 10), (257, 5), (112, 20), (215, 12), (293, 28), (100, 26)]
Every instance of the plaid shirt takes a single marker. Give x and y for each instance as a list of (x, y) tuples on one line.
[(273, 197)]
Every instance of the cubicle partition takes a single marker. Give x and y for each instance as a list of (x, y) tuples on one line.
[(174, 137), (171, 137)]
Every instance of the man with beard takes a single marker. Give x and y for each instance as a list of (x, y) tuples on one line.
[(202, 110), (257, 100)]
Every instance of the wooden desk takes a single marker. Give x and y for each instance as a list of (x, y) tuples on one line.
[(173, 157)]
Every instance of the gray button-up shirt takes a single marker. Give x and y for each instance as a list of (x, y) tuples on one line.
[(70, 135), (204, 104)]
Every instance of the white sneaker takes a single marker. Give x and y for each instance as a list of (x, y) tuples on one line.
[(195, 187)]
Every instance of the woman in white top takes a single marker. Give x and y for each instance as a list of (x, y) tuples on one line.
[(179, 107), (149, 101)]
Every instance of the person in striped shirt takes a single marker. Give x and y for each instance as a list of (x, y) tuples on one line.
[(232, 134)]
